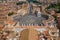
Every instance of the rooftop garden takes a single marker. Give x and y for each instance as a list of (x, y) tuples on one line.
[(56, 7)]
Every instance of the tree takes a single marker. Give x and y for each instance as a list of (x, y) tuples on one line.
[(31, 1), (10, 13), (56, 7), (20, 3)]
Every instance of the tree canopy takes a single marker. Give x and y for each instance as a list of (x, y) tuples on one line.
[(31, 0), (56, 7), (20, 3), (10, 13)]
